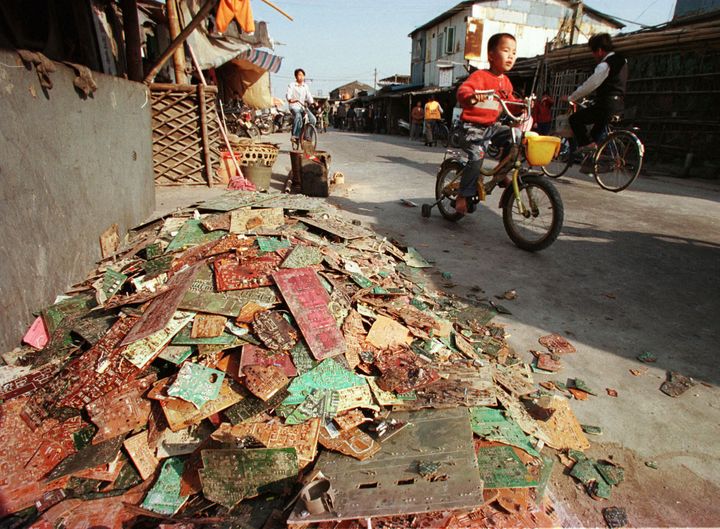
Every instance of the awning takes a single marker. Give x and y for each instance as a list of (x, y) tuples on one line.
[(263, 59)]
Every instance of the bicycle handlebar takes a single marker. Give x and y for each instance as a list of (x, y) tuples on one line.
[(526, 103)]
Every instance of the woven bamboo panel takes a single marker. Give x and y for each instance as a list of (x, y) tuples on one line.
[(185, 135)]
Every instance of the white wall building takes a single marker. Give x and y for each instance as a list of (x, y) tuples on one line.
[(438, 47)]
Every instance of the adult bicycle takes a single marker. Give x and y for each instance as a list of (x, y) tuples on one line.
[(307, 141), (615, 163)]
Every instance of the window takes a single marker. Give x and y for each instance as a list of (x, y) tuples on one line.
[(450, 41), (440, 43)]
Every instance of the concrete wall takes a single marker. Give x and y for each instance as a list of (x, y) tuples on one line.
[(69, 167)]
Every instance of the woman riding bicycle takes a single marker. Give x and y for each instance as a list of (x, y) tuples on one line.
[(299, 99), (480, 114), (608, 81)]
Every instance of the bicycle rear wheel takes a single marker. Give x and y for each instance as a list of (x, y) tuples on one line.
[(538, 225), (618, 161), (442, 135), (308, 138), (446, 188), (561, 163)]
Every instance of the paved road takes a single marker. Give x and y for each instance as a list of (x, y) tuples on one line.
[(631, 272)]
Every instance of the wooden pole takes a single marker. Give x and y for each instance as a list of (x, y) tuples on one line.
[(131, 28), (204, 132), (276, 8), (179, 55), (177, 41)]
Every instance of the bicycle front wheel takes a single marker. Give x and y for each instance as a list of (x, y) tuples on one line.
[(308, 138), (561, 163), (537, 224), (443, 135), (618, 161), (447, 186)]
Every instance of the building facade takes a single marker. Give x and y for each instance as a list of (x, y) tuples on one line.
[(440, 46)]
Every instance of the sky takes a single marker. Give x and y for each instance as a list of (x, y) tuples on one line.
[(339, 41)]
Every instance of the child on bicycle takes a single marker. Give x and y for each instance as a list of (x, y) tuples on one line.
[(480, 113)]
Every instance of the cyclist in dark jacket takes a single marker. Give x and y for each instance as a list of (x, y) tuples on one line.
[(608, 83)]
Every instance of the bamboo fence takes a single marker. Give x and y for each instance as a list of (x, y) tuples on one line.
[(185, 134)]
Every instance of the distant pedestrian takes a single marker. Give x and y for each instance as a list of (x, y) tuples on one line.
[(417, 114), (542, 114), (433, 114)]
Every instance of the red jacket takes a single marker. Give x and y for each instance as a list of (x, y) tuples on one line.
[(485, 113)]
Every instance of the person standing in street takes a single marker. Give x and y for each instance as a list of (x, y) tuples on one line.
[(433, 114), (542, 114), (416, 120), (299, 100)]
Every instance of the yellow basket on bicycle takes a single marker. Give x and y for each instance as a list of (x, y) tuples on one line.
[(540, 150)]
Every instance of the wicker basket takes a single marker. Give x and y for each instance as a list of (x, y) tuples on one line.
[(263, 154)]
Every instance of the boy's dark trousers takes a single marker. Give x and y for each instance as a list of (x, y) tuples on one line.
[(598, 115)]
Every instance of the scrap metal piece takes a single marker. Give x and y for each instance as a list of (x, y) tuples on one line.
[(29, 455), (556, 344), (264, 381), (676, 384), (301, 358), (109, 285), (415, 260), (141, 455), (547, 362), (234, 200), (562, 430), (28, 382), (352, 442), (615, 517), (230, 475), (320, 403), (164, 497), (386, 332), (158, 266), (274, 331), (192, 234), (303, 256), (161, 310), (458, 385), (79, 382), (180, 414), (234, 274), (388, 484), (197, 384), (37, 335), (89, 457), (183, 337), (403, 371), (243, 220), (329, 375), (303, 437), (110, 241), (208, 326), (500, 467), (516, 379), (336, 226), (257, 356), (492, 425), (121, 411), (308, 303), (350, 419), (93, 327), (517, 412), (175, 354), (272, 244), (219, 221), (295, 202), (143, 351), (183, 442), (250, 406)]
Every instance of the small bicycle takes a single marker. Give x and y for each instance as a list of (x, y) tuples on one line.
[(307, 141), (615, 163), (532, 208)]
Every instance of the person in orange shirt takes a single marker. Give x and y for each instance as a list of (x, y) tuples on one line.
[(433, 113), (480, 114)]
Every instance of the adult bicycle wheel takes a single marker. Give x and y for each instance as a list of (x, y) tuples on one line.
[(538, 224), (618, 161), (561, 163), (308, 138), (446, 188), (442, 135)]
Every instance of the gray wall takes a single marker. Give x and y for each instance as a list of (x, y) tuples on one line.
[(70, 167)]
